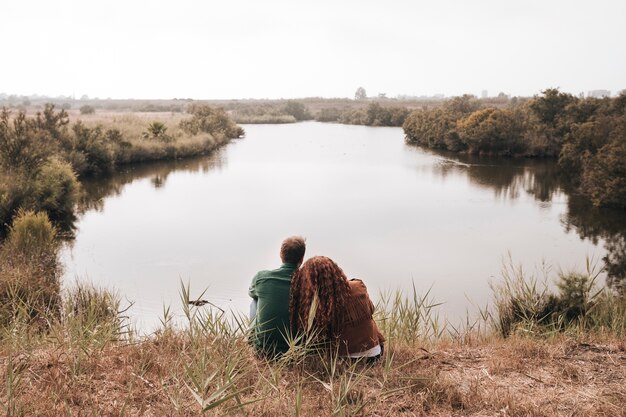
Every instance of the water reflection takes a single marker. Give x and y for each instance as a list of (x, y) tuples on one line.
[(392, 214), (96, 190), (509, 178), (606, 224)]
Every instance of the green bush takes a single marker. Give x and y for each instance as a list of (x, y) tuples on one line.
[(23, 145), (29, 271), (462, 105), (297, 110), (526, 304), (93, 151), (377, 115), (87, 109), (604, 175), (492, 131), (587, 135), (434, 128), (328, 114), (56, 189), (93, 308), (353, 117), (31, 233), (210, 120), (157, 131), (14, 189)]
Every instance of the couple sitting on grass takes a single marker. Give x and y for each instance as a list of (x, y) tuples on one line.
[(284, 297)]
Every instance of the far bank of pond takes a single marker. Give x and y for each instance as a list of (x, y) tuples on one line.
[(393, 214)]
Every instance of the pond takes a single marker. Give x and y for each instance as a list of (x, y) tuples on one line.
[(395, 215)]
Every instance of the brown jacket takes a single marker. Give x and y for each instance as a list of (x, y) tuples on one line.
[(359, 331)]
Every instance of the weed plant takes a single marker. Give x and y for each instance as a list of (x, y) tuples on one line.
[(526, 304), (87, 360)]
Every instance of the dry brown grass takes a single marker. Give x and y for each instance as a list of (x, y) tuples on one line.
[(512, 377), (87, 364), (132, 125)]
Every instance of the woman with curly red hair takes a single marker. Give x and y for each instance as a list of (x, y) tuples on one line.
[(343, 310)]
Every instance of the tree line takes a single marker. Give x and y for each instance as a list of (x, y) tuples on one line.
[(587, 135), (374, 114), (43, 156)]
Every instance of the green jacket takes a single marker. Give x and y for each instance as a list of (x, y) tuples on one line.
[(271, 290)]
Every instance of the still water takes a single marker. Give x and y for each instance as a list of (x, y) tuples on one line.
[(387, 212)]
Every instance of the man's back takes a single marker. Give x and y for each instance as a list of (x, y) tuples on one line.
[(271, 290)]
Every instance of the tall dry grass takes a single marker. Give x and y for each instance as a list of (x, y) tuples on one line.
[(90, 363)]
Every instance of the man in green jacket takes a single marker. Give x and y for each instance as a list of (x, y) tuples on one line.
[(270, 292)]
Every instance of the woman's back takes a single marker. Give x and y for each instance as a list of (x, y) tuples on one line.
[(343, 311), (359, 332)]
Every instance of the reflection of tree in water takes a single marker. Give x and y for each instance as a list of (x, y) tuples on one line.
[(608, 224), (506, 176), (540, 179), (158, 180), (95, 190)]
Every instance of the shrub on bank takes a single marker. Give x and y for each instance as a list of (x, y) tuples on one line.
[(157, 131), (328, 114), (212, 120), (526, 304), (492, 131), (587, 135), (297, 110), (56, 190), (23, 143), (374, 115), (41, 157), (87, 109), (29, 271), (31, 233)]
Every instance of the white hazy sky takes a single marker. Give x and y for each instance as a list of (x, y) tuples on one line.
[(274, 48)]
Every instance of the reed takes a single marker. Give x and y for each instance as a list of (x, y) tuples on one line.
[(528, 304), (89, 362), (409, 319)]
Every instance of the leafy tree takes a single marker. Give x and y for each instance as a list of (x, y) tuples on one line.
[(23, 146), (378, 115), (360, 94), (297, 110), (353, 117), (492, 131), (434, 128), (87, 109), (603, 177), (93, 152), (550, 106), (328, 114), (462, 105)]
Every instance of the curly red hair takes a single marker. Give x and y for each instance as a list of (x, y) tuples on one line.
[(323, 276)]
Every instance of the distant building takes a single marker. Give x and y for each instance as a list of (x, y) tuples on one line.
[(382, 95), (484, 94), (598, 93)]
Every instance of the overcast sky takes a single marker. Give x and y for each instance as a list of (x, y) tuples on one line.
[(286, 49)]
